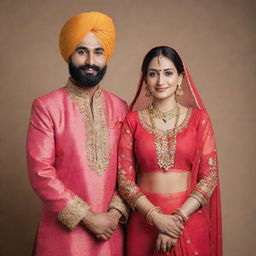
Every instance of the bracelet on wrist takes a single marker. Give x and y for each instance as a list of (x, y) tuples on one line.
[(151, 213), (182, 214)]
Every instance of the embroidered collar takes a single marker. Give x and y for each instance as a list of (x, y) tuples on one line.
[(81, 92)]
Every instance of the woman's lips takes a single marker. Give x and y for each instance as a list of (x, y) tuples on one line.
[(161, 89)]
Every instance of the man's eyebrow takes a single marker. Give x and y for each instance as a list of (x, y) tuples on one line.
[(99, 49), (81, 48), (86, 49)]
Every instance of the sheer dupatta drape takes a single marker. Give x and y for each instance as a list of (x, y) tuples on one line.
[(205, 157)]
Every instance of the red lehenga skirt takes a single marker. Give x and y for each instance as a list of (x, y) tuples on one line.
[(141, 237)]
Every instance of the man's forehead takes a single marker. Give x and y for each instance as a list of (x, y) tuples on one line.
[(90, 41)]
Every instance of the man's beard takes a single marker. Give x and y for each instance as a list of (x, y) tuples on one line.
[(83, 79)]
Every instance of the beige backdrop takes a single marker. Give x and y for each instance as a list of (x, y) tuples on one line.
[(216, 39)]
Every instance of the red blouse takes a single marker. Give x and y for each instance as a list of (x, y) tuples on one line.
[(141, 146)]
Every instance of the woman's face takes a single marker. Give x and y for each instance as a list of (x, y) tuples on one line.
[(162, 77)]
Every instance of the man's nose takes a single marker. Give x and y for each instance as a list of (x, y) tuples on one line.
[(90, 59)]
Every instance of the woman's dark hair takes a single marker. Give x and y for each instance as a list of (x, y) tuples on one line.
[(165, 51)]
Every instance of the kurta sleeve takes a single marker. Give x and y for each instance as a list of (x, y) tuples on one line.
[(69, 208), (208, 174), (126, 165)]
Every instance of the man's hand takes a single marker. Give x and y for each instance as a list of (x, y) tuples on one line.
[(100, 224)]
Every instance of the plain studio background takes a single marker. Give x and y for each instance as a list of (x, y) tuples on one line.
[(216, 39)]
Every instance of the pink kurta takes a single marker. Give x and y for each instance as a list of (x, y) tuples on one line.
[(63, 164)]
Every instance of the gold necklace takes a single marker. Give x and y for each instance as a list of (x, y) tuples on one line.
[(165, 116), (165, 142)]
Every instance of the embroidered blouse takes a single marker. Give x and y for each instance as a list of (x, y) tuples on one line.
[(140, 147)]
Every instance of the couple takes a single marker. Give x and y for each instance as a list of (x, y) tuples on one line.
[(162, 154)]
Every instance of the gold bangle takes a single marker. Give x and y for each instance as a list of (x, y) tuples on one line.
[(151, 213), (181, 213), (199, 195)]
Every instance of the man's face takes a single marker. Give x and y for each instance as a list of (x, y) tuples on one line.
[(87, 64)]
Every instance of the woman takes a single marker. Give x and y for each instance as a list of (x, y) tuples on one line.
[(168, 170)]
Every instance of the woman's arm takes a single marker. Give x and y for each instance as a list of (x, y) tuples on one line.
[(131, 192), (208, 175)]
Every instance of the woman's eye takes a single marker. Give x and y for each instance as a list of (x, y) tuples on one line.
[(152, 74), (168, 73)]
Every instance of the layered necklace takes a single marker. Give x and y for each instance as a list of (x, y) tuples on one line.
[(165, 141), (165, 116)]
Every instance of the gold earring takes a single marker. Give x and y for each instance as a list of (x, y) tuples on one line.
[(179, 91), (148, 93)]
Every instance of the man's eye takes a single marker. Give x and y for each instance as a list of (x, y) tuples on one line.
[(99, 52), (81, 52)]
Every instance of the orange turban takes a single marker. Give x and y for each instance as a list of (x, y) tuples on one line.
[(76, 28)]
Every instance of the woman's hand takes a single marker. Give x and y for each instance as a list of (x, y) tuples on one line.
[(168, 224), (164, 243)]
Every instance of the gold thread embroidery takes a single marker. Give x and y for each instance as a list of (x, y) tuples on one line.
[(136, 199), (73, 213), (209, 182), (165, 145), (198, 196), (118, 203), (96, 127), (127, 188)]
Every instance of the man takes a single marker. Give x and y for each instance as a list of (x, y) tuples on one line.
[(72, 148)]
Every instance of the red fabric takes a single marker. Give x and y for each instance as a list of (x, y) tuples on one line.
[(195, 148), (144, 144), (142, 237)]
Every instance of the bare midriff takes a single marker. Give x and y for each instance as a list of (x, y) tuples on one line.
[(164, 182)]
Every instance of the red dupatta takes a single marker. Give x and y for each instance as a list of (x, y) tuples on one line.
[(192, 99)]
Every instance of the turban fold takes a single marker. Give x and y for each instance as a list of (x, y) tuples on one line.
[(76, 28)]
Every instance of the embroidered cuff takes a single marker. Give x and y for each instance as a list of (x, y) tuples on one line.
[(118, 203), (207, 184), (205, 187), (198, 196), (73, 213), (135, 200)]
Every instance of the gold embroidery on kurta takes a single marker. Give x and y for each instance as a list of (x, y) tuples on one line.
[(96, 126), (73, 213)]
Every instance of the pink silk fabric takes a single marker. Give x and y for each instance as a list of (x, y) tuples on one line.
[(58, 170), (208, 218)]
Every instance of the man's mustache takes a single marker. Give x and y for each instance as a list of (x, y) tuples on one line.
[(87, 66)]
